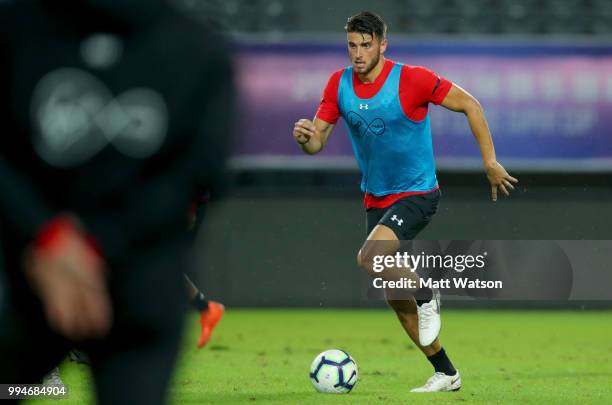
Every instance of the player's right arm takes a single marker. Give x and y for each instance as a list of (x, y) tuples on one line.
[(312, 136)]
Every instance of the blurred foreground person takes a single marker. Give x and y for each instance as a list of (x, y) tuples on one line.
[(114, 116)]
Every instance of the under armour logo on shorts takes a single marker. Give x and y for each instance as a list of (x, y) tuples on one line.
[(398, 220)]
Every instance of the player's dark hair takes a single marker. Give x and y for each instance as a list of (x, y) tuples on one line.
[(367, 23)]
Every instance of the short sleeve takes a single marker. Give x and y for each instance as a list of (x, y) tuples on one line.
[(328, 109), (428, 86), (419, 87)]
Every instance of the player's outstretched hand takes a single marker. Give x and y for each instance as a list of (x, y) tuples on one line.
[(303, 130), (68, 276), (499, 179)]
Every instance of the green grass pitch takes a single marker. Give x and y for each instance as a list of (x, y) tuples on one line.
[(263, 357)]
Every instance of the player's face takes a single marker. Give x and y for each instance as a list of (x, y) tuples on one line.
[(365, 51)]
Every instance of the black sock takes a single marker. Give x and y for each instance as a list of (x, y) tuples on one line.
[(442, 363), (199, 302), (423, 295)]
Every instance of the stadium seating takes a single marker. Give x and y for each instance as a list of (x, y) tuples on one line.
[(463, 17)]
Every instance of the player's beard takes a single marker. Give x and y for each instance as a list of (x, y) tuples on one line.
[(370, 66)]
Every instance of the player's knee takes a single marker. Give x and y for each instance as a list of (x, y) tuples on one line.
[(360, 259), (365, 261)]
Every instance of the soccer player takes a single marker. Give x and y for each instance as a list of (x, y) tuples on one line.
[(210, 311), (385, 106)]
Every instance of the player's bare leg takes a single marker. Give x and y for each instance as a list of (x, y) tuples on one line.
[(192, 290), (446, 377), (406, 311), (383, 241)]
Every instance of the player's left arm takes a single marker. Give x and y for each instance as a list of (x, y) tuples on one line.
[(459, 100)]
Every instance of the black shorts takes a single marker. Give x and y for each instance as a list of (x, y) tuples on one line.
[(407, 216)]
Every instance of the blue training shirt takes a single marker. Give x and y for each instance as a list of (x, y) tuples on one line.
[(394, 153)]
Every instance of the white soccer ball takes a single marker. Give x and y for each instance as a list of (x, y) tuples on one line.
[(333, 372)]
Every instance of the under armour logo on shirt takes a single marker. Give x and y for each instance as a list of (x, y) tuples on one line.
[(363, 106), (398, 220)]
